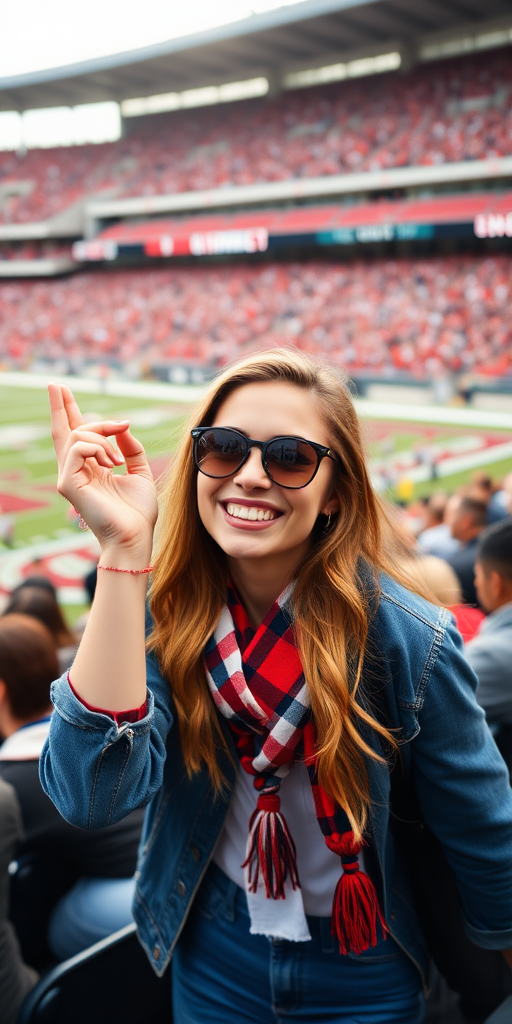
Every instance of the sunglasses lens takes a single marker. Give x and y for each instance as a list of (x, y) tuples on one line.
[(219, 452), (291, 462)]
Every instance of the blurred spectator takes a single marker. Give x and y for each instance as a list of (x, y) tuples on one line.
[(436, 575), (417, 515), (482, 488), (434, 578), (425, 574), (103, 860), (41, 603), (90, 590), (466, 518), (435, 509), (380, 317), (35, 580), (16, 978), (503, 497), (437, 539), (490, 653)]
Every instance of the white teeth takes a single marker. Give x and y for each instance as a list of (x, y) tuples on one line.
[(252, 513)]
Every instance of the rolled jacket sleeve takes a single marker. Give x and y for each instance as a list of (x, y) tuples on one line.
[(95, 770), (464, 793)]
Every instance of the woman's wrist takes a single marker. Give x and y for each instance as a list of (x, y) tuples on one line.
[(126, 557)]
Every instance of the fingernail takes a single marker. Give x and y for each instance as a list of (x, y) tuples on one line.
[(119, 460)]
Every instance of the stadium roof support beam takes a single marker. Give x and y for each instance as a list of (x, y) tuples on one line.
[(307, 32)]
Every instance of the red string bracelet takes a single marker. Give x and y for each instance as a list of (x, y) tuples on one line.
[(132, 572)]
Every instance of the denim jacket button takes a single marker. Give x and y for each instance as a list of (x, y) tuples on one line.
[(156, 952), (182, 889), (195, 853)]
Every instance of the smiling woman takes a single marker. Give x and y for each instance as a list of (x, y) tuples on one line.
[(283, 664)]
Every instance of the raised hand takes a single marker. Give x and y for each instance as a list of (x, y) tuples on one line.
[(121, 510)]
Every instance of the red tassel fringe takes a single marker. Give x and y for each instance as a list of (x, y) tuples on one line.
[(355, 911), (271, 849)]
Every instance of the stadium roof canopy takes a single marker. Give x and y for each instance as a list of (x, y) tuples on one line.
[(306, 34)]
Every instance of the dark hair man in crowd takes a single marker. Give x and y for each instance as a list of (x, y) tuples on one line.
[(467, 519), (436, 539), (490, 653)]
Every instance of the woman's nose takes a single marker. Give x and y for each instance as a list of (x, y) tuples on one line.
[(252, 474)]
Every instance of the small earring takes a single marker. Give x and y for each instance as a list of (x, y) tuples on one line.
[(328, 523)]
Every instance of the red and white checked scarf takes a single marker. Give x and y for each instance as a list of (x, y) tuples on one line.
[(257, 683)]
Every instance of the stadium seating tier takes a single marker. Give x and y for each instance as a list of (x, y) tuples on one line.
[(422, 317), (457, 109)]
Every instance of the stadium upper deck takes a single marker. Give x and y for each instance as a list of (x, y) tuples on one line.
[(455, 110)]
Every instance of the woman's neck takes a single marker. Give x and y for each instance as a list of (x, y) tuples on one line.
[(259, 582)]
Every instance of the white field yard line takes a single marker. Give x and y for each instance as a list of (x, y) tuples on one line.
[(432, 414), (457, 464), (178, 393), (482, 458), (117, 388)]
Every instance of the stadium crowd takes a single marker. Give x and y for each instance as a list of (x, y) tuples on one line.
[(458, 109), (422, 317), (33, 250)]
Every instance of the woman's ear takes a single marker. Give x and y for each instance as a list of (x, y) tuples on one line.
[(331, 507)]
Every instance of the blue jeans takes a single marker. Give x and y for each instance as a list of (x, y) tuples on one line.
[(224, 975), (91, 910)]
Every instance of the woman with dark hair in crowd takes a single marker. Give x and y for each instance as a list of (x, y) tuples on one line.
[(285, 664), (40, 602), (99, 864)]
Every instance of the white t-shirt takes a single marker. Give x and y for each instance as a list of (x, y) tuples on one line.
[(319, 868)]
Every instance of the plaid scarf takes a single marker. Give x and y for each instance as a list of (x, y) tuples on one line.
[(257, 683)]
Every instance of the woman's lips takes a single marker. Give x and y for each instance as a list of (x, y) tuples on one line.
[(250, 516)]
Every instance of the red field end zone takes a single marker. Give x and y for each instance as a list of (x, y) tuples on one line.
[(13, 503)]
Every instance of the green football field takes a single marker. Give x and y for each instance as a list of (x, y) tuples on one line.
[(28, 469)]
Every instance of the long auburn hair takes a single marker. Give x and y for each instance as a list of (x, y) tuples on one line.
[(331, 608)]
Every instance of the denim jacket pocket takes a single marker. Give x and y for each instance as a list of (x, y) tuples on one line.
[(216, 896)]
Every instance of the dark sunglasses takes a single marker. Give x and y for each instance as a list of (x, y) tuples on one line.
[(288, 461)]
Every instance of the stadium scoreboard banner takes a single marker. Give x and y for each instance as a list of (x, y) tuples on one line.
[(258, 239), (493, 225), (375, 233)]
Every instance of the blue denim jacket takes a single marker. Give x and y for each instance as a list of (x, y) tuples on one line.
[(96, 772)]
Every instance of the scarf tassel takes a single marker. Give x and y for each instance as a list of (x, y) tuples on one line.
[(355, 911), (270, 850)]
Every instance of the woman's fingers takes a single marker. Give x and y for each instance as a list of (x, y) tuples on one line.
[(96, 437), (134, 454), (60, 419), (77, 460), (75, 418), (73, 438), (106, 427)]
